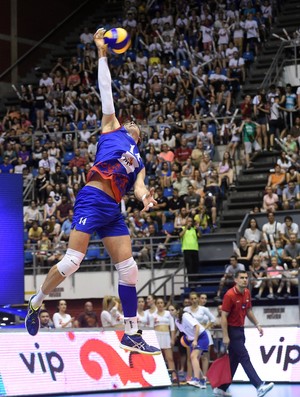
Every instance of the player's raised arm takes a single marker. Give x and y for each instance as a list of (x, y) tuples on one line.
[(109, 120)]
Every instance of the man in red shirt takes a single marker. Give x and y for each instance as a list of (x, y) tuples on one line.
[(235, 307)]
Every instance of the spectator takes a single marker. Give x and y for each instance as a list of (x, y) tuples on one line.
[(32, 214), (244, 252), (141, 314), (49, 208), (277, 251), (253, 234), (45, 321), (248, 128), (35, 233), (66, 227), (258, 276), (77, 161), (274, 275), (276, 180), (225, 170), (41, 186), (270, 200), (217, 334), (190, 247), (290, 278), (291, 250), (291, 196), (287, 228), (202, 220), (271, 230), (61, 319), (229, 275), (88, 318), (6, 167), (44, 246)]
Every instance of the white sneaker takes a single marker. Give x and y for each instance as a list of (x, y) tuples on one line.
[(264, 389), (194, 382), (221, 393)]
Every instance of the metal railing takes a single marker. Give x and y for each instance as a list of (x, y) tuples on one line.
[(50, 33), (279, 61)]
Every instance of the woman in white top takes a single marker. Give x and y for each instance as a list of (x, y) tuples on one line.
[(152, 309), (195, 337), (61, 319), (116, 313), (204, 316), (111, 315), (252, 233), (164, 326), (141, 314)]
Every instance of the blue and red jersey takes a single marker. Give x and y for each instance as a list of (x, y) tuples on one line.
[(117, 159)]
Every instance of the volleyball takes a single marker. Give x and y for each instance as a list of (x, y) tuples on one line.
[(117, 39)]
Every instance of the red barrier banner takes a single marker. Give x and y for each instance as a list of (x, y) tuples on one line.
[(81, 361)]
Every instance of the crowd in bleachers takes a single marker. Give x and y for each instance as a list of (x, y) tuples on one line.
[(181, 81)]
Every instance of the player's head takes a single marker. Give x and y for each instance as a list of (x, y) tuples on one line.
[(133, 130)]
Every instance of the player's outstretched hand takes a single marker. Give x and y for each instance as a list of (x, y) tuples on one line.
[(99, 41)]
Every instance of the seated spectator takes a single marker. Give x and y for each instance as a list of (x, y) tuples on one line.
[(164, 175), (287, 228), (183, 152), (274, 275), (291, 197), (264, 253), (41, 186), (66, 227), (197, 154), (258, 276), (49, 208), (271, 230), (228, 278), (35, 233), (32, 214), (192, 200), (45, 321), (181, 184), (202, 220), (253, 234), (88, 318), (61, 319), (6, 167), (237, 67), (284, 162), (225, 170), (207, 140), (276, 180), (168, 138), (290, 278), (292, 175), (270, 200), (206, 165), (291, 250), (166, 154), (77, 161), (244, 252), (44, 246), (188, 169), (277, 251), (52, 228)]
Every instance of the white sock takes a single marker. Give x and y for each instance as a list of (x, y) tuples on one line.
[(131, 325), (37, 300)]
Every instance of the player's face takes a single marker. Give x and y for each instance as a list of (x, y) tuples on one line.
[(134, 131)]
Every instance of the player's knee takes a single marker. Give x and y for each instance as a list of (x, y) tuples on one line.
[(128, 272), (70, 262)]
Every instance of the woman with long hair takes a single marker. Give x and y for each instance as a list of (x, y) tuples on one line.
[(62, 319), (141, 314), (253, 233), (225, 169), (195, 337), (164, 327)]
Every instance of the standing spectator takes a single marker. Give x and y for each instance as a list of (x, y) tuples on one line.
[(62, 319), (141, 314), (235, 307), (190, 247), (88, 318), (248, 127)]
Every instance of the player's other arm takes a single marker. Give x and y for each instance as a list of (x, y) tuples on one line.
[(109, 120), (142, 193)]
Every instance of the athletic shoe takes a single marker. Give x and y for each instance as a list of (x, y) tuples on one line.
[(135, 343), (264, 389), (194, 382), (221, 393), (203, 383), (32, 320)]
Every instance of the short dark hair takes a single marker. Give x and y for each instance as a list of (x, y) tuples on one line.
[(239, 272)]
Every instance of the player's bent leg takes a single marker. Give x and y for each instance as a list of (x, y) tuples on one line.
[(67, 266)]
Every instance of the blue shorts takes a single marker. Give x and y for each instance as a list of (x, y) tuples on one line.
[(202, 343), (96, 211)]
